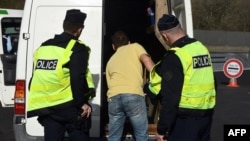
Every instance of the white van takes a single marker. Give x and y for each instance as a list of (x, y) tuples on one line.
[(43, 19), (10, 22)]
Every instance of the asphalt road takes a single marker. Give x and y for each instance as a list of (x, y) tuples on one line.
[(233, 107), (6, 129), (233, 104)]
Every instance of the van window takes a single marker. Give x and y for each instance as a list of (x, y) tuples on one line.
[(10, 35)]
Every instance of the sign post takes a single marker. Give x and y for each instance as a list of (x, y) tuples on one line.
[(233, 69)]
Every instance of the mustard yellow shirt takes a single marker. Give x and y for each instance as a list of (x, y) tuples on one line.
[(124, 71)]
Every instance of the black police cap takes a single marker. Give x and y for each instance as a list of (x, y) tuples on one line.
[(75, 16), (167, 22)]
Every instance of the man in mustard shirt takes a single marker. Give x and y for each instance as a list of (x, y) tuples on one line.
[(124, 74)]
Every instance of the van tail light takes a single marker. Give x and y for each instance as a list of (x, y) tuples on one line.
[(20, 97)]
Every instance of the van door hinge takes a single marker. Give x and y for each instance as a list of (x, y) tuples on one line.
[(26, 36)]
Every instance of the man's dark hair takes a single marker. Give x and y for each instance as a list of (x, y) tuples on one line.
[(71, 27), (119, 38)]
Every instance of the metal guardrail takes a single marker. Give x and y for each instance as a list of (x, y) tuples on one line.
[(224, 45), (219, 59)]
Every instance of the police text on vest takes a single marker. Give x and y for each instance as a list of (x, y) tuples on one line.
[(46, 64), (201, 61)]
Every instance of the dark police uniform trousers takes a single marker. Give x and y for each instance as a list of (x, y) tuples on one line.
[(191, 129)]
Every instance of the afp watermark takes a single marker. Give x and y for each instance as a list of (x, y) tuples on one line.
[(237, 132)]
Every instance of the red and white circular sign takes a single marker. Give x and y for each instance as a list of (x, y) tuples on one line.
[(233, 68)]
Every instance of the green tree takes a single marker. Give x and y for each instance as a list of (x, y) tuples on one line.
[(228, 15)]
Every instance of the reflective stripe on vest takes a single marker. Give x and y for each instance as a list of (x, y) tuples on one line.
[(154, 80), (50, 83), (89, 77), (198, 91), (90, 80)]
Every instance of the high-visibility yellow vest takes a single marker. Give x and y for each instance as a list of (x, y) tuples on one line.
[(91, 84), (90, 80), (50, 85), (154, 80), (198, 90)]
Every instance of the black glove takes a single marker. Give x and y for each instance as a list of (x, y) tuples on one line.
[(147, 91), (153, 98)]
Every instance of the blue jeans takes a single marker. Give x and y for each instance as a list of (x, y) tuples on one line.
[(129, 106)]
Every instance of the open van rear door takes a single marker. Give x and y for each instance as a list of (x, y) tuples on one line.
[(181, 9), (10, 22)]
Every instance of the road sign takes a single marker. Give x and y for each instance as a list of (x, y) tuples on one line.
[(233, 68)]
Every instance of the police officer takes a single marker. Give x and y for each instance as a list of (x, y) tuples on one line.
[(187, 86), (58, 85)]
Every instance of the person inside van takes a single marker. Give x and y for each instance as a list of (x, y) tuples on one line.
[(6, 39)]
